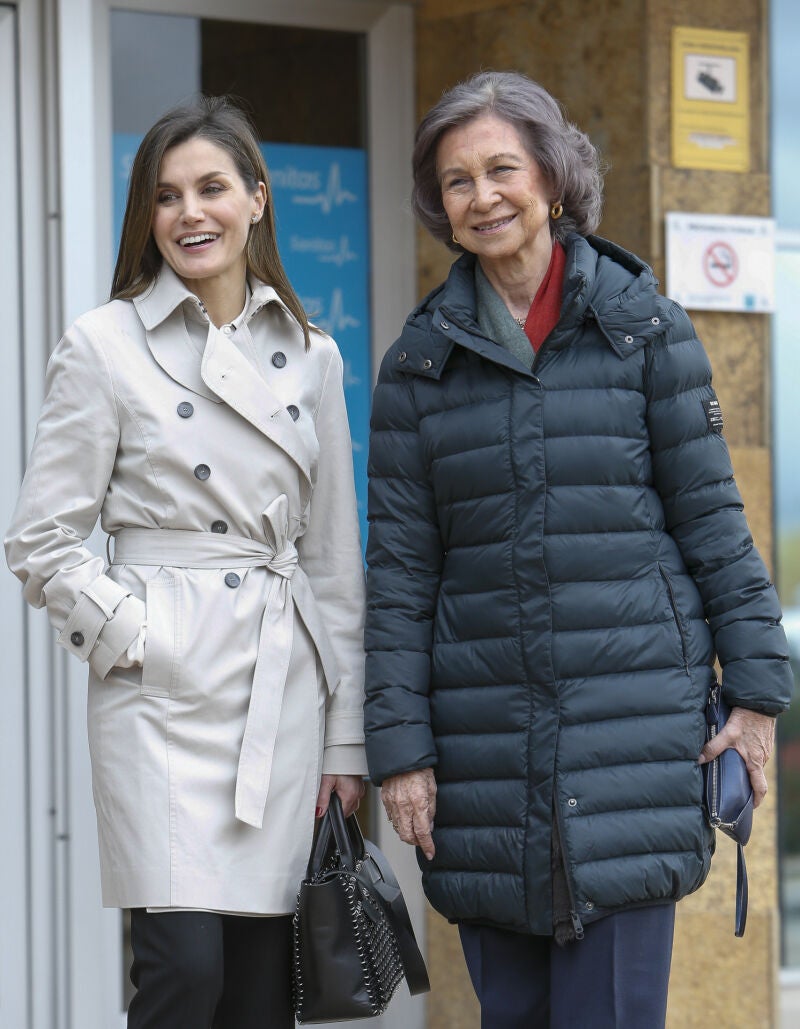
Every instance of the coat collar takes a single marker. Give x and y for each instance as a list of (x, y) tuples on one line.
[(603, 284), (167, 292), (223, 374)]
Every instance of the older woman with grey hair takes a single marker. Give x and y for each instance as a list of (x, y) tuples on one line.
[(557, 556)]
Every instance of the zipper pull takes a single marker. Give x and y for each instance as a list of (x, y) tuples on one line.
[(576, 925), (712, 708)]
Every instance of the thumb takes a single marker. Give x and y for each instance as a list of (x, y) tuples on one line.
[(715, 747)]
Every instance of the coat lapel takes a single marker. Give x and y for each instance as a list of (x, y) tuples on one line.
[(228, 374), (225, 374), (160, 311), (171, 348)]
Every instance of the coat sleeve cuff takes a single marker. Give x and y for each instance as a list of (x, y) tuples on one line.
[(102, 624), (345, 759), (344, 727), (117, 635)]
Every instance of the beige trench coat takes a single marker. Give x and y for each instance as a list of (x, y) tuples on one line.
[(205, 762)]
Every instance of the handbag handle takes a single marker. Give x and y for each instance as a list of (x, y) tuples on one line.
[(347, 833), (336, 836)]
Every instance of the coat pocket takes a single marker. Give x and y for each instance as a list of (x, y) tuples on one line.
[(161, 666), (673, 603)]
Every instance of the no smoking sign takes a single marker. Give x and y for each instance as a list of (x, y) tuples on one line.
[(721, 262)]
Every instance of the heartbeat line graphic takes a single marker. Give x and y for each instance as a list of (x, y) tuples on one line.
[(336, 319), (348, 378), (342, 255), (332, 196)]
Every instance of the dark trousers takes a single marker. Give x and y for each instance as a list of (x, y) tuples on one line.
[(616, 977), (194, 970)]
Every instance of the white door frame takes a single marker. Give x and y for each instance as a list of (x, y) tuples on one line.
[(35, 855), (14, 855), (88, 972)]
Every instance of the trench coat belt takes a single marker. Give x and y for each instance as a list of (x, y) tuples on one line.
[(289, 589)]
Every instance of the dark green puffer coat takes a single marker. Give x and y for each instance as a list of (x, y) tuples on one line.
[(554, 558)]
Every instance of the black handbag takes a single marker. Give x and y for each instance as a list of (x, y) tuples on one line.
[(729, 798), (353, 939)]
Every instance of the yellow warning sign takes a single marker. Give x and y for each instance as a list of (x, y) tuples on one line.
[(710, 99)]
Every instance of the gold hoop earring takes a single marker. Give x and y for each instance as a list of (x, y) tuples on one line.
[(453, 237), (556, 211)]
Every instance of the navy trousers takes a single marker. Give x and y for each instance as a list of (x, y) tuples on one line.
[(197, 970), (616, 977)]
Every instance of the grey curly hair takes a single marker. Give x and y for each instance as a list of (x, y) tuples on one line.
[(566, 156)]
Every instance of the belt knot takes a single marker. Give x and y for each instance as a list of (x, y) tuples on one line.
[(285, 561)]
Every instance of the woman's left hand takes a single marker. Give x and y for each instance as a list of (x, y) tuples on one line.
[(350, 788), (753, 735)]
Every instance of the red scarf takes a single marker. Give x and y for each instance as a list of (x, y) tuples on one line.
[(546, 307)]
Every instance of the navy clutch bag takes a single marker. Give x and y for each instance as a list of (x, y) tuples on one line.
[(728, 797)]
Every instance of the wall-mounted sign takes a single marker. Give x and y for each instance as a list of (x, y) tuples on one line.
[(721, 262), (710, 99)]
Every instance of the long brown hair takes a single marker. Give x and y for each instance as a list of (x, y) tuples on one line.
[(222, 123)]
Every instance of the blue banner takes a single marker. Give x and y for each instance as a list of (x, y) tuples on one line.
[(321, 212)]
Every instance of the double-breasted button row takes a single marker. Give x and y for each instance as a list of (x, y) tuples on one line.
[(279, 361)]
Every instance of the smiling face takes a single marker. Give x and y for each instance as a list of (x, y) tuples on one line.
[(203, 215), (493, 192)]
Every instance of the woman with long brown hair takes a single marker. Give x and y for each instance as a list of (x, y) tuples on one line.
[(201, 418)]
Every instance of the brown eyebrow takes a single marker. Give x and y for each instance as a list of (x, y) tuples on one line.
[(493, 157), (203, 178)]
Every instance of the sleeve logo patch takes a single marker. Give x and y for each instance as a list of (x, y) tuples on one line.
[(713, 414)]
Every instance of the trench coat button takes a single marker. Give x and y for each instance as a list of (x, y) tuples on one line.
[(426, 364), (76, 639), (228, 330), (185, 409), (219, 526), (402, 356), (232, 580), (279, 359), (294, 412), (202, 472)]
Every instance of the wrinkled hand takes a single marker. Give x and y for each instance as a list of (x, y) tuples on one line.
[(410, 802), (350, 788), (753, 735)]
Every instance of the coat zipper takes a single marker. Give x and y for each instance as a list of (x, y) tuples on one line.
[(674, 605), (577, 925)]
